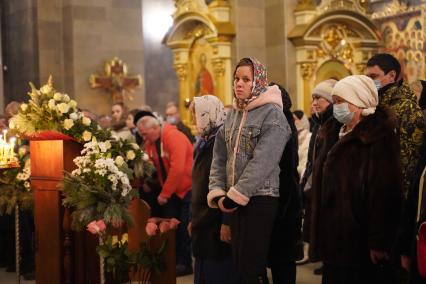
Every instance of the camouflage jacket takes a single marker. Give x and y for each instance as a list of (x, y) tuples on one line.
[(401, 99)]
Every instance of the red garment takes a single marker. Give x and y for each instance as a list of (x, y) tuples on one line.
[(177, 154)]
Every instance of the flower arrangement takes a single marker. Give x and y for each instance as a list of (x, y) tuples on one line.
[(147, 259), (15, 186), (50, 110), (100, 186)]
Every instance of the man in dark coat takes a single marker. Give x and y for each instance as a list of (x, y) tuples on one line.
[(286, 244)]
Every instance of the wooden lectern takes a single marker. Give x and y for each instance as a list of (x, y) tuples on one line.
[(61, 255)]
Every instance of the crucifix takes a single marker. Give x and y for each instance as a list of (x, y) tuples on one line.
[(116, 81)]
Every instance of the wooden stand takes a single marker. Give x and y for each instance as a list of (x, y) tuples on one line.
[(61, 255)]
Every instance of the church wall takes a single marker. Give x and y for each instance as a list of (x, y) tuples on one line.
[(71, 39), (280, 52), (99, 31), (249, 22), (161, 84), (19, 44)]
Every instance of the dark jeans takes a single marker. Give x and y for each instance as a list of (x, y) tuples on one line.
[(179, 209), (367, 274), (251, 229), (208, 271)]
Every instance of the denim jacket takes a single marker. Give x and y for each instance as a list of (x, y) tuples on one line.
[(261, 131)]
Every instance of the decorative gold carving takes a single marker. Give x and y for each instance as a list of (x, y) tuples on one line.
[(336, 43), (360, 67), (394, 8), (197, 31), (305, 5), (115, 80), (219, 67), (307, 69), (186, 6), (181, 71), (310, 54)]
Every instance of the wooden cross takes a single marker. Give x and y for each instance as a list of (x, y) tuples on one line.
[(115, 80)]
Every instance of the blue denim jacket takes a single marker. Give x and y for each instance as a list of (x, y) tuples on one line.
[(263, 138)]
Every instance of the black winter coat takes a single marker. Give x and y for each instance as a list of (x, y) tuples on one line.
[(286, 243), (206, 222), (358, 190)]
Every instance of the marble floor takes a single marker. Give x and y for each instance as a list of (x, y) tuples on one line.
[(304, 276)]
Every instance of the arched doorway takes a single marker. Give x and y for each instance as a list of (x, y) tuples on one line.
[(200, 39)]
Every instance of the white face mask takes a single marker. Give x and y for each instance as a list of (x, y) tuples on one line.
[(342, 113), (378, 84), (171, 120)]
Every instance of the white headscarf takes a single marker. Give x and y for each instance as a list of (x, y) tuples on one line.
[(358, 90), (209, 113)]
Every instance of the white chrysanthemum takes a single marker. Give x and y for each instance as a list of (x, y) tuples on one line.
[(130, 155), (68, 123), (74, 116), (51, 104), (72, 104), (145, 157), (66, 98), (76, 172), (63, 107), (87, 135), (119, 161), (24, 107), (86, 121), (57, 97)]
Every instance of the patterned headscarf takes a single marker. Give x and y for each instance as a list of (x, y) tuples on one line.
[(210, 114), (260, 83)]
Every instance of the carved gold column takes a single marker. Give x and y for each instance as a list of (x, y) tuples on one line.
[(223, 70), (306, 72), (181, 67)]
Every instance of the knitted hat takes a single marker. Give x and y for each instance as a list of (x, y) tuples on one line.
[(358, 90), (141, 114), (324, 89)]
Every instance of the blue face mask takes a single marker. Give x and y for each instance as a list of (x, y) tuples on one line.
[(171, 120), (378, 84), (342, 113)]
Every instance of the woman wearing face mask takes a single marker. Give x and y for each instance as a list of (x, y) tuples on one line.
[(244, 178), (304, 136), (356, 206)]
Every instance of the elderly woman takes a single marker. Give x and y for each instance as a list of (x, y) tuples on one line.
[(357, 175), (244, 178), (210, 231)]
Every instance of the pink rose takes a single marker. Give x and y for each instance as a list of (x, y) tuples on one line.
[(96, 227), (164, 226), (151, 229), (174, 223)]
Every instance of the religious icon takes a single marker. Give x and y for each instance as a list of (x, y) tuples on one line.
[(204, 83)]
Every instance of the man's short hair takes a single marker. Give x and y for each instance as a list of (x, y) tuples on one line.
[(386, 62), (148, 122)]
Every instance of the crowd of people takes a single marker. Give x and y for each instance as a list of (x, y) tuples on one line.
[(261, 186)]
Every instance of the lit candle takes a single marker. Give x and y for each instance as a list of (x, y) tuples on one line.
[(4, 135), (12, 148)]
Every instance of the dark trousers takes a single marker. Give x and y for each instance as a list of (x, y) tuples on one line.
[(367, 274), (284, 273), (251, 229), (209, 271), (179, 209)]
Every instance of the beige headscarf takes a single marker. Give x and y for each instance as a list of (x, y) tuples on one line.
[(209, 112), (358, 90)]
